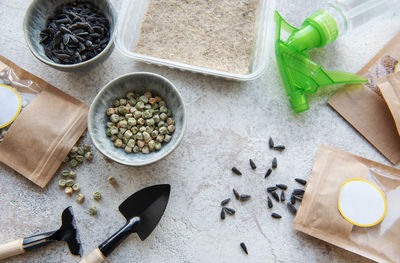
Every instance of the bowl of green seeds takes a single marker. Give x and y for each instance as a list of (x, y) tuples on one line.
[(137, 119)]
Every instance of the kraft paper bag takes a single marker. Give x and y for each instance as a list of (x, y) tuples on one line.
[(365, 109), (319, 216), (42, 135), (389, 87)]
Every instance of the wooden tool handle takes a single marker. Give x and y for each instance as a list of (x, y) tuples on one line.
[(11, 249), (95, 257)]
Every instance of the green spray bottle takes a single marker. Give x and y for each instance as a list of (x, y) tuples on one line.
[(302, 76)]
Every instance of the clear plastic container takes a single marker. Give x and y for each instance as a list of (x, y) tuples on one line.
[(133, 11)]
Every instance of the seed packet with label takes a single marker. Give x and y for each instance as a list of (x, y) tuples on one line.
[(39, 124), (320, 213), (363, 107), (389, 87)]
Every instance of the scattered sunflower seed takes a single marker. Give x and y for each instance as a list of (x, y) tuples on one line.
[(291, 208), (222, 214), (69, 182), (283, 196), (268, 173), (292, 199), (298, 191), (298, 197), (225, 201), (243, 246), (229, 211), (270, 143), (252, 164), (279, 148), (275, 196), (271, 189), (301, 181), (274, 163), (64, 173), (236, 171), (275, 215), (269, 201), (282, 186), (244, 197), (236, 193)]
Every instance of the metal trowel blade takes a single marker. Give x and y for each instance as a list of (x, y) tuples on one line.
[(149, 204)]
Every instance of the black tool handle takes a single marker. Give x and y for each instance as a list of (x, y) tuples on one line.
[(112, 242), (37, 241)]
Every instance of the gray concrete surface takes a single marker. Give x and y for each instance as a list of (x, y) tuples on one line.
[(228, 123)]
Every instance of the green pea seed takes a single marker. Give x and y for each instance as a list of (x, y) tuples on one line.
[(144, 99), (69, 182), (61, 182), (96, 196), (171, 128), (128, 149), (130, 95), (76, 188), (131, 143), (74, 149), (86, 147), (157, 146), (137, 114), (123, 124), (111, 179), (114, 118), (145, 150), (139, 105), (80, 198), (93, 211), (73, 163), (64, 173), (136, 149), (163, 130), (167, 138), (72, 174), (163, 116), (79, 158), (170, 121), (152, 145), (122, 102), (150, 122), (80, 151), (89, 156), (116, 103)]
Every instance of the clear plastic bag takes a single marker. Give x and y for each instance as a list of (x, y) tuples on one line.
[(26, 89)]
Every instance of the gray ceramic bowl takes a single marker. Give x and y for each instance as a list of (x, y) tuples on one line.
[(35, 21), (118, 88)]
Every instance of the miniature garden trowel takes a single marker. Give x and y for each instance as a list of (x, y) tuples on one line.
[(142, 210), (67, 232)]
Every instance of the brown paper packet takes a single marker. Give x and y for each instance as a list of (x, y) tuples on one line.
[(390, 89), (319, 216), (365, 110), (44, 132)]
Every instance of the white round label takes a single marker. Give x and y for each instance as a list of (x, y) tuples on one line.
[(10, 105), (362, 203)]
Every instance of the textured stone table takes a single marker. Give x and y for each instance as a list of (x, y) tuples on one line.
[(228, 123)]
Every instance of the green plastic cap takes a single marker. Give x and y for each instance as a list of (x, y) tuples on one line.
[(326, 26)]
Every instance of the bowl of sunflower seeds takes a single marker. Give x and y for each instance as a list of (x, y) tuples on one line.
[(137, 119), (70, 35)]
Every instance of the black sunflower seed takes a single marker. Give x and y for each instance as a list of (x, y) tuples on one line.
[(270, 143), (292, 199), (301, 181), (244, 197), (236, 171), (283, 196), (225, 201), (229, 211), (243, 246), (269, 201), (236, 193), (298, 197), (222, 215), (275, 215), (275, 196), (252, 164), (282, 186), (279, 148), (271, 189), (269, 171), (298, 191), (274, 163), (291, 208)]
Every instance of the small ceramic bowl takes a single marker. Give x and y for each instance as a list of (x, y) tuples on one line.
[(35, 20), (118, 88)]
